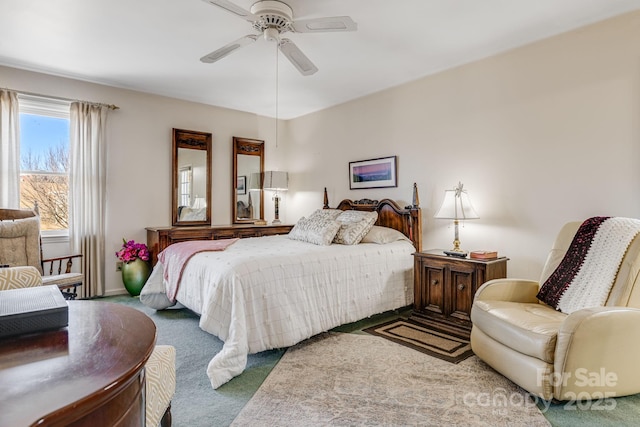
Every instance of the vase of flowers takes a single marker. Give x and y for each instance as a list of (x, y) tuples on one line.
[(135, 265)]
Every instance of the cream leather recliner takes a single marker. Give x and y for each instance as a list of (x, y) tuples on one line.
[(589, 354)]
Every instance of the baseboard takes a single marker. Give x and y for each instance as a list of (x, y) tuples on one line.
[(115, 292)]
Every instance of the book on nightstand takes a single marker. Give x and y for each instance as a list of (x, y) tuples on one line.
[(483, 255)]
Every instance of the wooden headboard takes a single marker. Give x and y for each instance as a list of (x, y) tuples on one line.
[(407, 220)]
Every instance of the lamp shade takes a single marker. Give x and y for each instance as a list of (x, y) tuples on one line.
[(456, 205), (254, 181), (276, 180)]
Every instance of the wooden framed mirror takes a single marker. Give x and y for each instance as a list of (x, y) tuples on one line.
[(246, 194), (191, 187)]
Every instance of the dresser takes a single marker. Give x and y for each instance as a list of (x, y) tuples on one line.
[(90, 373), (444, 286), (158, 238)]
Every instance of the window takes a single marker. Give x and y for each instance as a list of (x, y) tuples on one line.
[(44, 160), (186, 182)]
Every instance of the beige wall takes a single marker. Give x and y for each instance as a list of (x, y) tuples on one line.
[(540, 135), (139, 154)]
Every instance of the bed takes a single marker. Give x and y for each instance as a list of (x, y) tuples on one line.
[(270, 292)]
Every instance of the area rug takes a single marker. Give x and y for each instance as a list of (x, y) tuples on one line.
[(446, 344), (364, 380)]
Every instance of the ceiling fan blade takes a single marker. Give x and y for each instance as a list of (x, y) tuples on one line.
[(297, 58), (228, 49), (321, 25), (233, 8)]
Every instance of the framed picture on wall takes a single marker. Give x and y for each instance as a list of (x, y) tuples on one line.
[(242, 184), (373, 173)]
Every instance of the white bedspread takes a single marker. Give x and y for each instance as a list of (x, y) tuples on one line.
[(272, 292)]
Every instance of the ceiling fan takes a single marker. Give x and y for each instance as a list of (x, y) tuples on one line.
[(271, 18)]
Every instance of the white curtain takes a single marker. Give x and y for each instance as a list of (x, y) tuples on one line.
[(9, 150), (87, 191)]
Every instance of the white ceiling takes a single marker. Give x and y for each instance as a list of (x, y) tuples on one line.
[(154, 45)]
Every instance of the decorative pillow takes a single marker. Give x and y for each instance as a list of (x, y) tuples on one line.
[(382, 235), (318, 230), (354, 225), (20, 242), (19, 277), (325, 213)]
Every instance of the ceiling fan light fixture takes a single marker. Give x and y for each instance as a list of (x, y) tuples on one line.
[(270, 7), (272, 14), (271, 35), (271, 18)]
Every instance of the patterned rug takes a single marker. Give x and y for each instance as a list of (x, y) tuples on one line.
[(430, 338), (363, 380)]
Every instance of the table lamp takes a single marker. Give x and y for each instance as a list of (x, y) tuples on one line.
[(456, 206), (276, 181), (254, 181)]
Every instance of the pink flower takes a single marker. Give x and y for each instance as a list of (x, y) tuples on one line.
[(131, 251)]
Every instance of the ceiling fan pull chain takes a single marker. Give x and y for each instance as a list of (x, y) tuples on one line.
[(277, 62)]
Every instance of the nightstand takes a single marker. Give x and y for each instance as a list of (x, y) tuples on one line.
[(444, 286)]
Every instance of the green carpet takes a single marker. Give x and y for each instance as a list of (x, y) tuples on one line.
[(618, 412), (196, 404)]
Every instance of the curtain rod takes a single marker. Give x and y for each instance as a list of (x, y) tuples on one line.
[(110, 106)]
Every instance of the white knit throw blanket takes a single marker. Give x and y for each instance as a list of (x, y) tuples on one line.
[(591, 285)]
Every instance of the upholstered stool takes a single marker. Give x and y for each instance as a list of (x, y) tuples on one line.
[(160, 381)]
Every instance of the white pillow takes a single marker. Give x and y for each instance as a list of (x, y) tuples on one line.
[(354, 225), (319, 231), (382, 235)]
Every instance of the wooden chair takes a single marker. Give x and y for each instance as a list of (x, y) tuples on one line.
[(21, 245)]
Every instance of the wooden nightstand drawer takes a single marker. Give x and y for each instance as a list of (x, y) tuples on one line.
[(444, 286), (433, 290)]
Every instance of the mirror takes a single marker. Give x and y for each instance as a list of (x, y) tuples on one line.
[(191, 192), (247, 197)]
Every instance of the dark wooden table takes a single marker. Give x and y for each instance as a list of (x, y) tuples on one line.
[(88, 374)]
